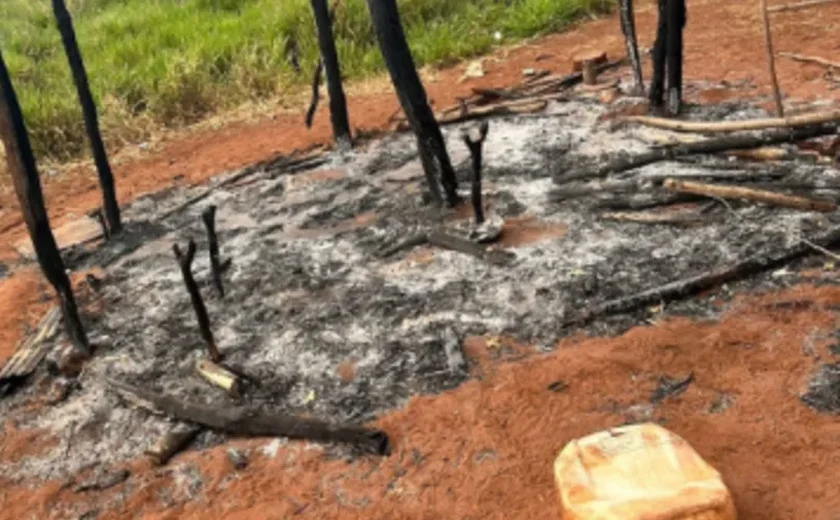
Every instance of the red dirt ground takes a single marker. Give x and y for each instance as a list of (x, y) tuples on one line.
[(486, 449)]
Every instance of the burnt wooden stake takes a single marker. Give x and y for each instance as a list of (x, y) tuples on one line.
[(329, 58), (476, 146), (24, 172), (185, 262), (656, 93), (100, 156), (209, 218), (430, 144)]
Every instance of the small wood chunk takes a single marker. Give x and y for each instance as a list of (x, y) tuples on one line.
[(596, 58), (172, 442), (590, 73), (219, 376)]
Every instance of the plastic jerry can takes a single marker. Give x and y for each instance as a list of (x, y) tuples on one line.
[(639, 472)]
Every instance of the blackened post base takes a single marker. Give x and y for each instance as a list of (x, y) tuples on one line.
[(628, 28), (668, 50)]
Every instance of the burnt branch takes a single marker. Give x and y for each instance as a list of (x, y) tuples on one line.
[(249, 421), (100, 156), (656, 93), (316, 87), (709, 146), (185, 263), (24, 172), (216, 268), (688, 287), (628, 28), (676, 14), (475, 143), (446, 241)]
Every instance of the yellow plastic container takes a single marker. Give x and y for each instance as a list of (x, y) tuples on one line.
[(639, 472)]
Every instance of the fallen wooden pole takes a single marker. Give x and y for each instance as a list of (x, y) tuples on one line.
[(712, 127), (251, 421), (27, 185), (685, 288), (707, 146), (738, 192), (185, 263), (799, 5), (209, 218), (810, 59)]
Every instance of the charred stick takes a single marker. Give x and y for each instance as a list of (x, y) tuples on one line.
[(475, 143), (209, 218), (27, 185), (446, 241), (185, 262), (706, 146), (408, 243), (329, 58), (103, 225), (251, 421), (628, 28), (100, 156), (756, 195), (654, 218), (688, 287), (771, 59), (316, 87), (674, 54)]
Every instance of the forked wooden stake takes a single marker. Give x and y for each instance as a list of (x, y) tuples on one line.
[(185, 262), (771, 61)]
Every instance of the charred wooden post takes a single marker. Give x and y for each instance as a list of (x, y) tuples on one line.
[(628, 28), (329, 58), (432, 150), (656, 93), (209, 218), (476, 145), (185, 262), (21, 163), (676, 23), (100, 156)]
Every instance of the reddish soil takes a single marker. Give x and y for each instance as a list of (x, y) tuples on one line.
[(486, 449)]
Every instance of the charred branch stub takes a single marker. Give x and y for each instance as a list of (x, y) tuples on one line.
[(329, 59), (397, 55), (628, 28), (216, 268), (185, 262), (475, 142), (24, 172), (316, 96), (252, 422), (100, 156)]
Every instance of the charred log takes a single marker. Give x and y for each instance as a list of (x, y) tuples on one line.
[(100, 156), (24, 172)]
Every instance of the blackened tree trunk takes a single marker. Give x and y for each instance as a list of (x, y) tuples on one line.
[(397, 55), (100, 157), (21, 163), (329, 59)]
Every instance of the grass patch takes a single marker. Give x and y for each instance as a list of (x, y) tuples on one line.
[(168, 63)]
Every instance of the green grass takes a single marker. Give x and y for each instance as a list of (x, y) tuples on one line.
[(168, 63)]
